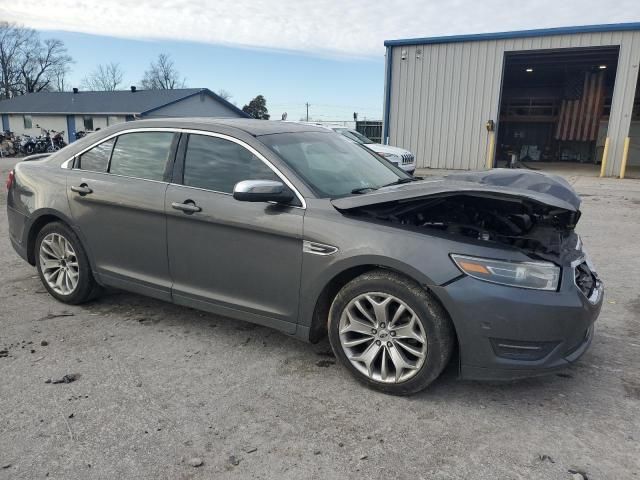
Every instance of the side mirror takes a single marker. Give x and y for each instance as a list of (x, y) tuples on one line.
[(262, 191)]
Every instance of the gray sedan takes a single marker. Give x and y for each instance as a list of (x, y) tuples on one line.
[(297, 228)]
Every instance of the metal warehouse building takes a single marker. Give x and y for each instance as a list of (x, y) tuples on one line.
[(539, 96)]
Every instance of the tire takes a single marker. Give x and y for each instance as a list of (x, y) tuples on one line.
[(420, 318), (75, 262)]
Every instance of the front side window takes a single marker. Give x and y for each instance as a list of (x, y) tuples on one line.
[(28, 121), (141, 155), (96, 159), (332, 165), (88, 123), (217, 164)]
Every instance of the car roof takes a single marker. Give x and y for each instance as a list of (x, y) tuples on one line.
[(326, 126), (251, 126)]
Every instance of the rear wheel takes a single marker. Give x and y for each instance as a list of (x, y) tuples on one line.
[(63, 265), (390, 333)]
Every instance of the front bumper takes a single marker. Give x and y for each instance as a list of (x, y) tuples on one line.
[(410, 168), (507, 333)]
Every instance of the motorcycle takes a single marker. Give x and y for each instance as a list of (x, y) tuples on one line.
[(48, 142), (58, 140), (27, 145), (82, 133)]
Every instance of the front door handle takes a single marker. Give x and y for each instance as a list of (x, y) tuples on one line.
[(187, 207), (82, 189)]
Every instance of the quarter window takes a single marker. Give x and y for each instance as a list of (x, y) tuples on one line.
[(141, 155), (96, 159), (217, 164)]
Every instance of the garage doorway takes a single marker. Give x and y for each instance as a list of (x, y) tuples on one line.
[(633, 157), (554, 108)]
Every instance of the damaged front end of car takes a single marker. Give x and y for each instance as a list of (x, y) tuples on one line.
[(545, 324), (532, 212)]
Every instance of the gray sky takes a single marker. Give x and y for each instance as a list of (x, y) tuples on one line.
[(322, 27)]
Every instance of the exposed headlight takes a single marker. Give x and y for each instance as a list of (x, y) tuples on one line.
[(537, 275), (390, 156)]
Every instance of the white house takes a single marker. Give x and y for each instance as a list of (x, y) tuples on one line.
[(77, 110)]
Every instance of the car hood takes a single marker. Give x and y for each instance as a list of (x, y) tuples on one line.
[(379, 148), (507, 184)]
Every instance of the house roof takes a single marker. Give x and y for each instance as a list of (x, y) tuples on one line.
[(123, 102), (540, 32)]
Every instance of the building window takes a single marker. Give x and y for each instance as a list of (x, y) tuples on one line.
[(88, 123), (28, 121)]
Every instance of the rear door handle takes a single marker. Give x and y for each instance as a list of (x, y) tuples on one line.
[(82, 189), (187, 207)]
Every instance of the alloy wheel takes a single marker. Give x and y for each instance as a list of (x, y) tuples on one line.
[(382, 337), (59, 264)]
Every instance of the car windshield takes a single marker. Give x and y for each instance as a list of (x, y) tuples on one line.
[(353, 135), (332, 165)]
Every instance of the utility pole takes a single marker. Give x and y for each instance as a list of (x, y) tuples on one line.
[(307, 105)]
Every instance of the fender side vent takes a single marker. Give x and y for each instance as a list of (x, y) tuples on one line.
[(318, 248)]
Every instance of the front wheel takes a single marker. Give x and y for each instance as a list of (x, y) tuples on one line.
[(390, 333)]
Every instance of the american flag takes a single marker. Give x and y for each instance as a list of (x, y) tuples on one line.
[(581, 110)]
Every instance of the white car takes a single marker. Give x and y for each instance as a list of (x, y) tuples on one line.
[(398, 156)]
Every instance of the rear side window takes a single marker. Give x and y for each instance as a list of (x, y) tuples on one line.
[(141, 155), (217, 164), (96, 159)]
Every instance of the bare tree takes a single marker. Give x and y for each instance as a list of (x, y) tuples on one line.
[(40, 61), (105, 78), (224, 95), (13, 41), (59, 78), (162, 75), (28, 64)]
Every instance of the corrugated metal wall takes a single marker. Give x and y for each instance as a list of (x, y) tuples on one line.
[(443, 94)]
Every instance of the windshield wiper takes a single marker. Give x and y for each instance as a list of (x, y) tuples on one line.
[(363, 190), (400, 181)]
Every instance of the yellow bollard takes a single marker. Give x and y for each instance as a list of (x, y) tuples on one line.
[(625, 156), (605, 154), (492, 144)]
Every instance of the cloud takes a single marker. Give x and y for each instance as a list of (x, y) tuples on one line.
[(333, 27)]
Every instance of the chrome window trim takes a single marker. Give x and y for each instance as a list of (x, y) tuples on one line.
[(68, 163), (121, 176)]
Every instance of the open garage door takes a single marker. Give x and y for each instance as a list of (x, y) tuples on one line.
[(554, 108), (633, 155)]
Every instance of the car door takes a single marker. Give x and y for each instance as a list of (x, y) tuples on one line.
[(116, 196), (235, 258)]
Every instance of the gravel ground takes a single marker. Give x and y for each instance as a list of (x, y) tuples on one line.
[(162, 388)]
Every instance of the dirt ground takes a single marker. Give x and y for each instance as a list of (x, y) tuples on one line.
[(161, 386)]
